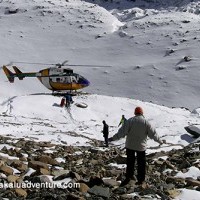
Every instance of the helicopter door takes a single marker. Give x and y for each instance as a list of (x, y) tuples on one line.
[(58, 79), (46, 82), (74, 79), (68, 79)]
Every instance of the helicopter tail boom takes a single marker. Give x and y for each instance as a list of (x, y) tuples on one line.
[(9, 74), (20, 75), (17, 72)]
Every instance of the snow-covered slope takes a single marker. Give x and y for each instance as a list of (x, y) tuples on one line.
[(144, 42), (40, 117)]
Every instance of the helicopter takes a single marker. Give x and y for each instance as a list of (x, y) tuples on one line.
[(56, 79)]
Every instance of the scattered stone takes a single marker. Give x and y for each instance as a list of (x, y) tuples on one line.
[(46, 144), (95, 181), (59, 172), (19, 165), (75, 175), (6, 170), (187, 59), (11, 11), (38, 179), (47, 160), (91, 174), (193, 183), (94, 162), (2, 163), (184, 164), (110, 182), (12, 178), (83, 188), (175, 180), (100, 191), (21, 192), (186, 21), (120, 190), (37, 165), (120, 160), (44, 171), (178, 68), (61, 177), (169, 52), (173, 193)]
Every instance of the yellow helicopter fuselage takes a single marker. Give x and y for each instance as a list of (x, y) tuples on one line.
[(54, 78)]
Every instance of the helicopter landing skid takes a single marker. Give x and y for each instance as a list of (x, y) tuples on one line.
[(73, 93)]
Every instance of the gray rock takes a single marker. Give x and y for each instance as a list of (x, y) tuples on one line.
[(61, 177), (184, 164), (120, 190), (38, 179), (110, 182), (100, 191)]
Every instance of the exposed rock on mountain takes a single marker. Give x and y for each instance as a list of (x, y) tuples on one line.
[(92, 169)]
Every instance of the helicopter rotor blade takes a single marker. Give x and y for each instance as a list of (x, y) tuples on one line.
[(89, 65), (63, 63), (31, 63)]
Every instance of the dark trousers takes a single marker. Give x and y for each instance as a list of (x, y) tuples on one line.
[(106, 140), (141, 164)]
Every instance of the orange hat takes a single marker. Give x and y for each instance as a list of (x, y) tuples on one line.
[(138, 111)]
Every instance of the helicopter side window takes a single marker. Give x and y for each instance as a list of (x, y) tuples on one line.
[(65, 71), (68, 71), (67, 79), (74, 80)]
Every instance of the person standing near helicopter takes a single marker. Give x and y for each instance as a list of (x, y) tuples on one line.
[(68, 99)]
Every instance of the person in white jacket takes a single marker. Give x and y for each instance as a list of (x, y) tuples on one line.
[(136, 130)]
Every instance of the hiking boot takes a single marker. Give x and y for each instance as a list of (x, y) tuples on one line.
[(125, 182)]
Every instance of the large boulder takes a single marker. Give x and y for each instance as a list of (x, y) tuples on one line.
[(193, 130)]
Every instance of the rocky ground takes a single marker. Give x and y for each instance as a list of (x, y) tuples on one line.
[(92, 169)]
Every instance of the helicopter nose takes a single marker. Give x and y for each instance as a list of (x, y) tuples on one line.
[(84, 82)]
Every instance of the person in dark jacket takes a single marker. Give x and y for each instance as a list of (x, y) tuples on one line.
[(136, 130), (105, 132), (68, 98)]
